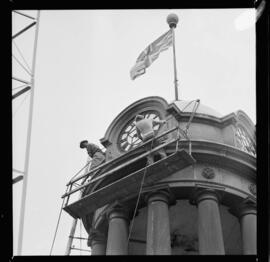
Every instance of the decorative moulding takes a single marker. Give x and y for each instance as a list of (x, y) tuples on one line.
[(208, 173), (253, 189)]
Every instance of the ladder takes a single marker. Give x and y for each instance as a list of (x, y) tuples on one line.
[(71, 236)]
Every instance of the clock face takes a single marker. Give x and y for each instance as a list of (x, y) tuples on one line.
[(244, 142), (128, 137)]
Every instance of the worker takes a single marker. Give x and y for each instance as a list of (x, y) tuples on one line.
[(145, 131), (98, 157)]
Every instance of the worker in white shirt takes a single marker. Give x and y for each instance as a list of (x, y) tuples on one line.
[(145, 131)]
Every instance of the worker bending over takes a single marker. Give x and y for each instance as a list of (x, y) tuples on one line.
[(98, 157)]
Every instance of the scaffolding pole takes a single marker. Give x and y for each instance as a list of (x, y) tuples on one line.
[(75, 220), (70, 238)]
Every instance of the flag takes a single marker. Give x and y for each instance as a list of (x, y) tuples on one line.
[(151, 53)]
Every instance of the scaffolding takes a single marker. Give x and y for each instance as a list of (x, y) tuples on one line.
[(75, 220), (128, 185)]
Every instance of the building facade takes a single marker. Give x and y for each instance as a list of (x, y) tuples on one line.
[(201, 199)]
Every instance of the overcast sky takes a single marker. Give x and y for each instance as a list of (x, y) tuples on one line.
[(83, 83)]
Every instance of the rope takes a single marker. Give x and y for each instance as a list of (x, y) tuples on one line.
[(189, 104), (21, 55), (195, 107), (17, 60), (178, 137), (138, 198), (193, 113), (20, 104), (57, 225), (187, 125)]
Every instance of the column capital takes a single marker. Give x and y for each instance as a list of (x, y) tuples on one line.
[(200, 194), (158, 195), (95, 236), (118, 210), (245, 207)]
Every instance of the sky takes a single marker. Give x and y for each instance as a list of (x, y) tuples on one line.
[(82, 83)]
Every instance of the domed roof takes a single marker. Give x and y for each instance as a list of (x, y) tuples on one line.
[(187, 106)]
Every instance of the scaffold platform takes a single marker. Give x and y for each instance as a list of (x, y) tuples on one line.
[(130, 184)]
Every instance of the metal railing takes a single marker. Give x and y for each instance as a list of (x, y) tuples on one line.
[(71, 183)]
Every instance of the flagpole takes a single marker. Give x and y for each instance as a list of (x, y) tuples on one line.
[(172, 20), (28, 142)]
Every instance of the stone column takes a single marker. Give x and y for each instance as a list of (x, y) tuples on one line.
[(118, 231), (158, 224), (209, 224), (97, 241), (247, 214)]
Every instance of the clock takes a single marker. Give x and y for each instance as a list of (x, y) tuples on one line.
[(244, 142), (128, 138)]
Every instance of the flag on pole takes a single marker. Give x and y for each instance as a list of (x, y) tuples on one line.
[(151, 53)]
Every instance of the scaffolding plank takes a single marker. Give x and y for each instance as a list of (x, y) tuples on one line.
[(129, 184)]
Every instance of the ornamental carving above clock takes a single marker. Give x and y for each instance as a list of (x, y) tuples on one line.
[(128, 138)]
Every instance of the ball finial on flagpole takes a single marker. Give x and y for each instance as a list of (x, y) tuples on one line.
[(172, 20)]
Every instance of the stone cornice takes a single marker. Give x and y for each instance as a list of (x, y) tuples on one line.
[(223, 155), (209, 152), (197, 184)]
